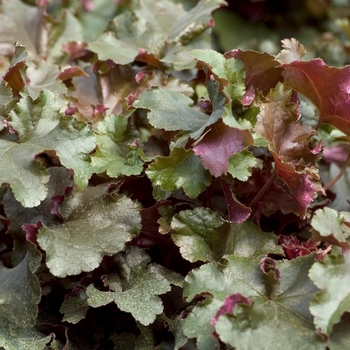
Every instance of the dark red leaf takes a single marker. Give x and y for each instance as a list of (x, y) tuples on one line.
[(263, 71), (328, 88)]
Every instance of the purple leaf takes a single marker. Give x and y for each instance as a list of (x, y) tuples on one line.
[(237, 212), (219, 144), (31, 231)]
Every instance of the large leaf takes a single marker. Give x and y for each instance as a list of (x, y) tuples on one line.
[(136, 288), (202, 235), (20, 291), (116, 153), (331, 276), (279, 304), (41, 128), (96, 223), (326, 87), (181, 169)]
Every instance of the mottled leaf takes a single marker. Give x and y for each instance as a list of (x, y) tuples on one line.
[(170, 110), (14, 337), (331, 276), (96, 223), (202, 235), (182, 169), (157, 31), (20, 291), (230, 71), (75, 306), (136, 288), (41, 128), (270, 319), (240, 165), (278, 123), (117, 151)]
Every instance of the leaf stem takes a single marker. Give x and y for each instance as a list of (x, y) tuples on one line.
[(264, 188), (341, 173)]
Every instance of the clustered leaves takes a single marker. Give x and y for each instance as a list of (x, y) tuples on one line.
[(158, 194)]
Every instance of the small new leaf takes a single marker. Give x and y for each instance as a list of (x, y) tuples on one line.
[(329, 226), (137, 287), (116, 153)]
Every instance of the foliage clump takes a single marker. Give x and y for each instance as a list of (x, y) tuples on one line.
[(159, 194)]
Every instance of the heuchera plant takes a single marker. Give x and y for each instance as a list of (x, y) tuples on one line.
[(158, 194)]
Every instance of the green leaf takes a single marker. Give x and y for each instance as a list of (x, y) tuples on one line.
[(197, 324), (231, 71), (160, 28), (218, 101), (41, 128), (202, 235), (15, 20), (44, 75), (198, 233), (109, 47), (331, 276), (170, 110), (182, 169), (240, 165), (5, 102), (329, 226), (75, 307), (67, 29), (136, 288), (116, 153), (95, 224), (14, 337), (339, 339), (20, 291), (272, 317)]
